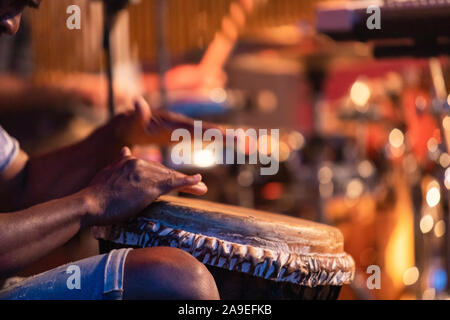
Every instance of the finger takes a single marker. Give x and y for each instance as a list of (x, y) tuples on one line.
[(209, 125), (198, 189), (175, 120), (142, 110), (192, 180), (178, 180), (125, 152)]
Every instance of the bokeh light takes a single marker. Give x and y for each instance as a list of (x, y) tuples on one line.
[(439, 228), (354, 188), (396, 138), (360, 94), (410, 276), (433, 197), (204, 158), (426, 223)]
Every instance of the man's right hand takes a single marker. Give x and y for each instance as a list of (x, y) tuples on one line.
[(119, 192)]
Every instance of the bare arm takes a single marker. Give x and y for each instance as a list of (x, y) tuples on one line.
[(47, 199), (30, 234), (68, 170), (21, 93), (29, 181), (116, 194)]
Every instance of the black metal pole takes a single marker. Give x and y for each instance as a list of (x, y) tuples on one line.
[(111, 10), (162, 51), (109, 63)]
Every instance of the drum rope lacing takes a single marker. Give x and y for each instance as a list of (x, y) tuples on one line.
[(306, 269)]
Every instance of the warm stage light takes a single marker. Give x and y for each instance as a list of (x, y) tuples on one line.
[(360, 94), (325, 175), (432, 145), (446, 122), (365, 169), (433, 197), (429, 294), (284, 152), (218, 95), (426, 223), (204, 158), (439, 228), (296, 140), (447, 178), (444, 160), (410, 276), (396, 138), (354, 189)]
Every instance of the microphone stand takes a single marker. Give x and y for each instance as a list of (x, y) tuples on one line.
[(111, 10)]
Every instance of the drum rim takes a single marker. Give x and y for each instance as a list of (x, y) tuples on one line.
[(306, 269), (267, 228)]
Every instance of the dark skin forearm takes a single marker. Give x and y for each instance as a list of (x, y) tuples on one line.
[(68, 170), (21, 93), (39, 207), (42, 195), (29, 234)]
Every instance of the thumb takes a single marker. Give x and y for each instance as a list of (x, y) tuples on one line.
[(142, 110)]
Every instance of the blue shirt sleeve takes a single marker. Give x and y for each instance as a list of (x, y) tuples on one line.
[(9, 149)]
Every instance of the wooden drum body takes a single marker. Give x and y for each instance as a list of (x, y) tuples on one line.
[(251, 254)]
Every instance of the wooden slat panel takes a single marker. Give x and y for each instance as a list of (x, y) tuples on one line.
[(192, 25)]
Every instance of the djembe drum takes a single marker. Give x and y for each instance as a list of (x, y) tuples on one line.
[(251, 254)]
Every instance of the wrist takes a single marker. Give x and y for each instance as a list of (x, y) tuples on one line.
[(91, 208), (119, 131), (109, 140)]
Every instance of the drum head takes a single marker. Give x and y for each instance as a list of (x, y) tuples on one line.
[(262, 244)]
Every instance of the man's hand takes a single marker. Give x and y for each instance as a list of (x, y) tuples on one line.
[(92, 89), (187, 77), (120, 191), (143, 126)]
